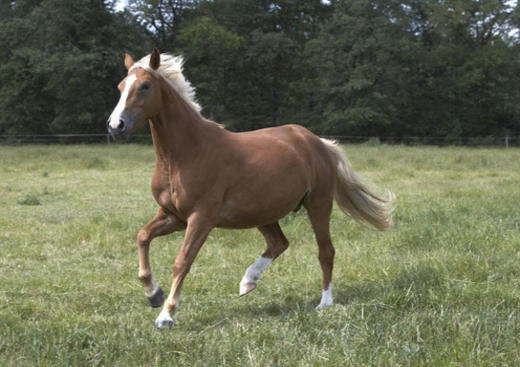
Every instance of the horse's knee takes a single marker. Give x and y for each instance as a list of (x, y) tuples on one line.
[(143, 238)]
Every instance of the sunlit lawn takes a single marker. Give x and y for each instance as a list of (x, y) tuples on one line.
[(440, 288)]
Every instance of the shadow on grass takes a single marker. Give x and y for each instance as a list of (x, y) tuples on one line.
[(408, 288), (411, 289)]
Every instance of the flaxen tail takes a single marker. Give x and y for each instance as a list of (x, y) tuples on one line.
[(353, 195)]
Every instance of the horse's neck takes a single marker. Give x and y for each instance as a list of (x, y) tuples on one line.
[(177, 132)]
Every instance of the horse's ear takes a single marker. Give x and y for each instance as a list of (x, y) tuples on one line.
[(155, 59), (128, 61)]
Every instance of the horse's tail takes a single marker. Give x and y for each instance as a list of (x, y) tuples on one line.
[(354, 196)]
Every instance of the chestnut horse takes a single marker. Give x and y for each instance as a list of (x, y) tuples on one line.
[(206, 176)]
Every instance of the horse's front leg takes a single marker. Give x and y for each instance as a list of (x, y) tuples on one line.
[(160, 225), (196, 233)]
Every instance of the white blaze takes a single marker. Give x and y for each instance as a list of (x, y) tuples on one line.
[(114, 117)]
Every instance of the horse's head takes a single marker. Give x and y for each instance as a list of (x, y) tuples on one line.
[(140, 97)]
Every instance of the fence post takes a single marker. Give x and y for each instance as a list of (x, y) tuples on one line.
[(108, 138), (507, 141)]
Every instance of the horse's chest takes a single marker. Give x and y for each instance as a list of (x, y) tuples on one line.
[(164, 194)]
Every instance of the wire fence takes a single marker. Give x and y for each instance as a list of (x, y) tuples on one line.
[(22, 139), (492, 141)]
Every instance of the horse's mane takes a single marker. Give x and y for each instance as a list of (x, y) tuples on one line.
[(171, 70)]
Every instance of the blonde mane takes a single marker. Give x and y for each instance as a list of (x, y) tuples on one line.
[(171, 70)]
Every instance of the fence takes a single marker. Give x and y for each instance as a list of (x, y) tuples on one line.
[(496, 141), (67, 139), (504, 141)]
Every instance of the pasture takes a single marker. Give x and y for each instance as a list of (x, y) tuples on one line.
[(442, 287)]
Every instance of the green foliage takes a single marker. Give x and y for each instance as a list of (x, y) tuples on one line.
[(385, 68), (61, 64), (242, 57), (360, 64), (163, 18), (213, 53), (472, 60), (364, 67), (441, 288)]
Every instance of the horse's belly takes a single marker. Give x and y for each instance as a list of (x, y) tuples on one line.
[(249, 220), (252, 210)]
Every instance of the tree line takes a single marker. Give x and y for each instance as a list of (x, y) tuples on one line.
[(443, 68)]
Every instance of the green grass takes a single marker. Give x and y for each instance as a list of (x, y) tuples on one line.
[(441, 288)]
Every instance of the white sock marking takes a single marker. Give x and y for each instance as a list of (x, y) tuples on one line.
[(254, 271), (150, 291), (114, 117), (248, 282), (326, 298), (164, 319)]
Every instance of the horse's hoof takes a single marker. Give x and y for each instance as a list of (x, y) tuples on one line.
[(245, 288), (164, 321), (323, 305), (157, 299), (163, 324)]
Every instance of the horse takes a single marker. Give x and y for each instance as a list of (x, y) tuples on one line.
[(207, 177)]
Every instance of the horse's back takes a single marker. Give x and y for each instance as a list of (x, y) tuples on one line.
[(286, 144), (291, 143), (271, 170), (305, 144)]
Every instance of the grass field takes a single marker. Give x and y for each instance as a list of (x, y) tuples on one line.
[(441, 288)]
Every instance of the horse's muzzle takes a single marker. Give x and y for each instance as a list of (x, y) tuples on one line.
[(120, 131)]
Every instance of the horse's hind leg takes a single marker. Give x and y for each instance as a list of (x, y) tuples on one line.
[(160, 225), (276, 244), (319, 215)]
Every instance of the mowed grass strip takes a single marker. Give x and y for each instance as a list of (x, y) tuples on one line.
[(440, 288)]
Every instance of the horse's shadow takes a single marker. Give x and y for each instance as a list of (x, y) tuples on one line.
[(404, 284), (278, 308)]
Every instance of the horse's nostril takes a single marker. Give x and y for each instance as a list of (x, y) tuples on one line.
[(121, 125)]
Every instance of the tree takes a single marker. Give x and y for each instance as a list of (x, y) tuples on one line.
[(474, 67), (429, 68), (163, 18), (62, 65), (365, 70), (256, 84), (353, 67), (213, 55)]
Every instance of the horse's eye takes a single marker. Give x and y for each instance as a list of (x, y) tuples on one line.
[(144, 86)]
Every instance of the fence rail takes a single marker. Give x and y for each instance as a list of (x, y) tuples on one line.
[(66, 139), (504, 141)]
